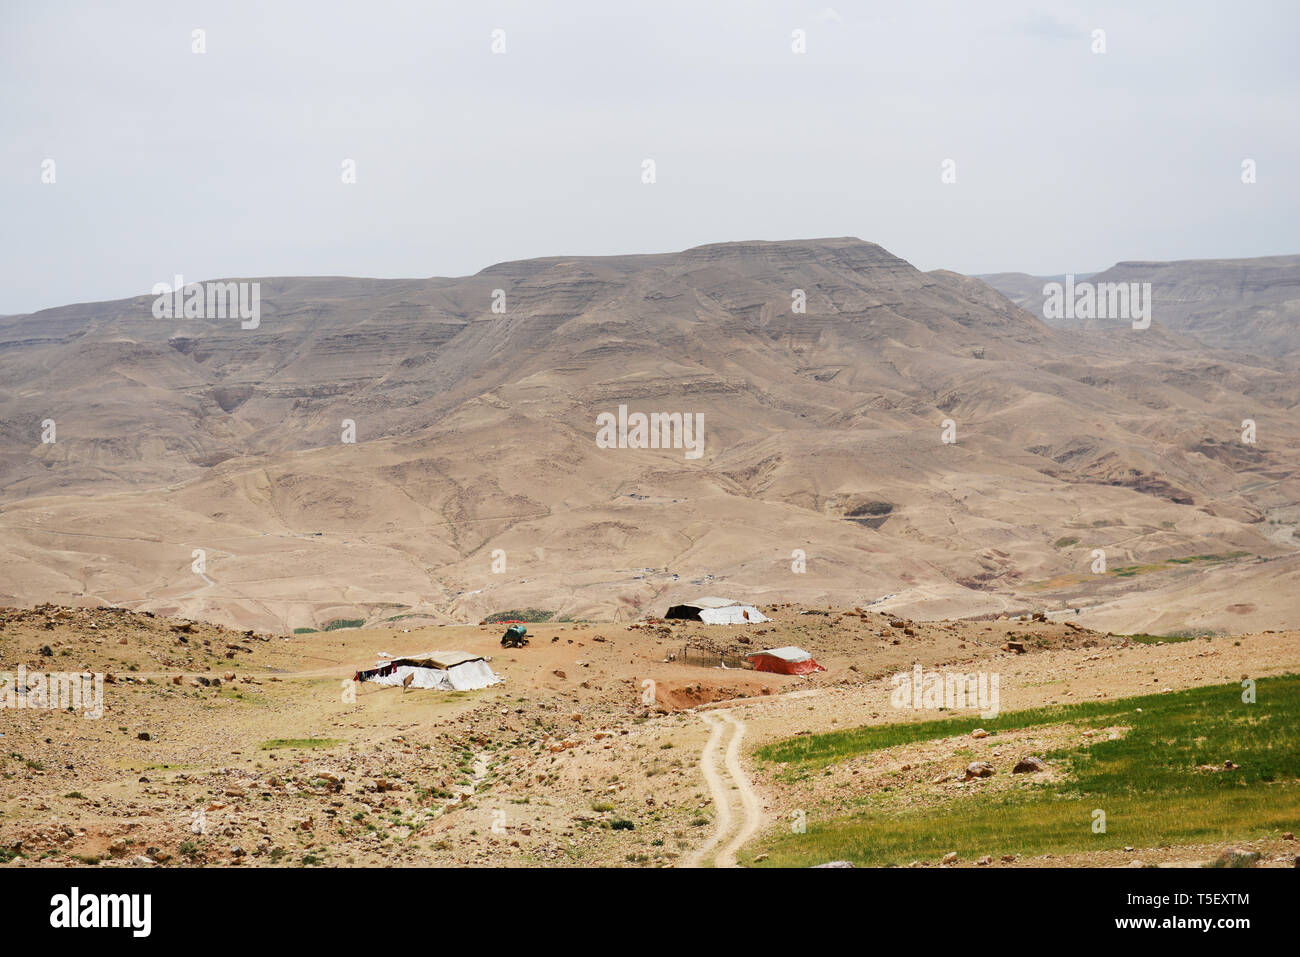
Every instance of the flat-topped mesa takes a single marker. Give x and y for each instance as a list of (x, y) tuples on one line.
[(1207, 279), (845, 249), (747, 257)]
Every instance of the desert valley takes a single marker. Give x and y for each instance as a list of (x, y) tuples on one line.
[(383, 448), (903, 470)]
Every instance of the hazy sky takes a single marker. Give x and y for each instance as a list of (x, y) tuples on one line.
[(228, 163)]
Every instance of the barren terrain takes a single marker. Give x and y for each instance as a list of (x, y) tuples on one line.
[(199, 469), (902, 468), (220, 747)]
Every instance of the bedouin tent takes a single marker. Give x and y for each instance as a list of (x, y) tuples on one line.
[(717, 611), (440, 670), (785, 661)]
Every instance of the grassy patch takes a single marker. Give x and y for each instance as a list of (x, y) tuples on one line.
[(299, 743), (1066, 542), (338, 623), (1225, 557), (1149, 783), (519, 614), (818, 750), (1145, 639), (1128, 571), (334, 625)]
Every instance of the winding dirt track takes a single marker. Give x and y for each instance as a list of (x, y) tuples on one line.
[(724, 777)]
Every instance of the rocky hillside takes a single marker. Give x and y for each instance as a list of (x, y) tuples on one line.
[(1243, 305), (911, 434)]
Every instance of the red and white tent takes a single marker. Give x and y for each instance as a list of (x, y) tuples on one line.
[(785, 661)]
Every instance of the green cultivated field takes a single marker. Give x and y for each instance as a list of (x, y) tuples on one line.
[(1148, 782)]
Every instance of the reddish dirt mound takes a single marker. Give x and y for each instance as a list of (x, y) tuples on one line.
[(678, 696)]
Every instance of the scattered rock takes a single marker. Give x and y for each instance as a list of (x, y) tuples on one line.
[(1029, 765), (1238, 857)]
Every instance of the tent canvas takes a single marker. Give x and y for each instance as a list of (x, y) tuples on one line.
[(437, 659), (438, 670), (709, 601), (732, 615), (787, 660), (716, 611)]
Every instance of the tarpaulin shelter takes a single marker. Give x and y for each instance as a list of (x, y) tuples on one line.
[(441, 670), (717, 611), (785, 661)]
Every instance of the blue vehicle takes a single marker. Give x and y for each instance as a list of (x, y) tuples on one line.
[(516, 636)]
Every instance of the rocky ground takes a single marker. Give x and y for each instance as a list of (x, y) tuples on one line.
[(237, 748)]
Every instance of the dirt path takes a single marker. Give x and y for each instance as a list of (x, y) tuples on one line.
[(717, 789), (723, 777), (753, 813)]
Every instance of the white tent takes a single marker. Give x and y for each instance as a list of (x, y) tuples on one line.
[(717, 611), (732, 615), (439, 670)]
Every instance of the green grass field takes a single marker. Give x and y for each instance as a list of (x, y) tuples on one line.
[(1148, 782)]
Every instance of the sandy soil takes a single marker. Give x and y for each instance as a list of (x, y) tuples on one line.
[(602, 746)]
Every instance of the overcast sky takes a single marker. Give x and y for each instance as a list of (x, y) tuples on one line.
[(229, 163)]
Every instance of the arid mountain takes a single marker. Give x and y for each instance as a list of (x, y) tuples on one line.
[(1246, 305), (200, 468), (1024, 290)]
